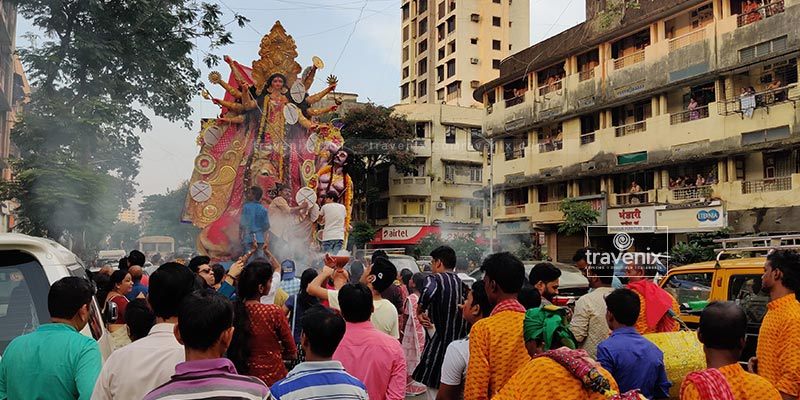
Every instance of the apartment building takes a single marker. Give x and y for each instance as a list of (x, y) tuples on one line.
[(676, 115), (14, 90), (449, 48), (437, 196)]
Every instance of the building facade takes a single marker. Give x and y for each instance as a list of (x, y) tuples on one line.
[(451, 47), (437, 196), (14, 91), (680, 115)]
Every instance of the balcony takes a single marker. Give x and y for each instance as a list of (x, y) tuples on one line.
[(515, 100), (691, 193), (553, 87), (410, 186), (549, 206), (587, 138), (630, 129), (627, 61), (767, 185), (687, 39), (513, 210), (757, 14), (421, 147), (689, 115), (626, 199), (586, 75), (551, 146), (408, 219), (748, 103)]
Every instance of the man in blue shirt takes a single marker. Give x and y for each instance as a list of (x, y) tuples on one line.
[(138, 287), (56, 361), (254, 223), (633, 361), (320, 376)]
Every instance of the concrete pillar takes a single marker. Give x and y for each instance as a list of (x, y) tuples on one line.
[(663, 104), (657, 179), (655, 109), (722, 171), (725, 9), (603, 184), (654, 36), (661, 30), (731, 169), (609, 119), (664, 178), (728, 90)]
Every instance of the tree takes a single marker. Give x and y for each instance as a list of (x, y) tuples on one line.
[(468, 250), (124, 235), (379, 138), (164, 215), (577, 216), (361, 234), (699, 247), (99, 65)]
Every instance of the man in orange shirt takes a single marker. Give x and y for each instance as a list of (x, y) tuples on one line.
[(496, 347), (655, 302), (559, 373), (778, 352), (722, 331)]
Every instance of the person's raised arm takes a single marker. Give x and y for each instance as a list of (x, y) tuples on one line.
[(316, 288)]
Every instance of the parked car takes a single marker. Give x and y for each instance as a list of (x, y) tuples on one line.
[(400, 261), (739, 280), (28, 266), (572, 284)]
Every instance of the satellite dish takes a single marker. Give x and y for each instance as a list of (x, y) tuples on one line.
[(318, 62), (291, 113), (298, 92)]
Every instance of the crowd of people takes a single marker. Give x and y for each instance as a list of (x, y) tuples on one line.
[(328, 334)]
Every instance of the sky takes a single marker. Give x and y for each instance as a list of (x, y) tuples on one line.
[(359, 41)]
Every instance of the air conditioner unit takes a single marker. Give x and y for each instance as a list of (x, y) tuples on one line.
[(475, 84), (475, 18), (473, 60), (441, 205)]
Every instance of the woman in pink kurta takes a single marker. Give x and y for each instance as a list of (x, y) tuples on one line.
[(413, 333)]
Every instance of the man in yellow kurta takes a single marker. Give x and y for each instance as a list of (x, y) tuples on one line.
[(778, 352), (722, 331), (555, 374), (496, 346)]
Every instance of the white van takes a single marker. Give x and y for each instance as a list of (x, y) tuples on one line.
[(28, 266)]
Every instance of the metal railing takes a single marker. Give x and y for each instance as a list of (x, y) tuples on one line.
[(761, 99), (687, 39), (692, 192), (515, 210), (555, 86), (586, 75), (410, 181), (773, 8), (625, 199), (551, 146), (515, 100), (587, 138), (408, 219), (688, 115), (629, 129), (454, 95), (550, 206), (630, 59), (767, 185)]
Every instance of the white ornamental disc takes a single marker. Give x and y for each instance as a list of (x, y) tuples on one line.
[(291, 113), (306, 194), (200, 191), (311, 142), (212, 135), (313, 212), (298, 92)]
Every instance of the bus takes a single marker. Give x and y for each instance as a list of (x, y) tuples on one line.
[(150, 245)]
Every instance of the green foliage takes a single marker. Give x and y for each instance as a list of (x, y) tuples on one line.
[(373, 132), (577, 216), (124, 235), (468, 251), (361, 234), (164, 213), (614, 12), (699, 248), (98, 66), (64, 200), (530, 251)]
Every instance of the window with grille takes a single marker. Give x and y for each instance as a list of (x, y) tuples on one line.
[(762, 49)]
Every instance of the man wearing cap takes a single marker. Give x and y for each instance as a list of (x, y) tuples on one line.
[(380, 275), (289, 282)]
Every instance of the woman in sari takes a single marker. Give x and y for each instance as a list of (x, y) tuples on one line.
[(413, 333)]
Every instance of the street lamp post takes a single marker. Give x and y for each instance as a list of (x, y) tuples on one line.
[(490, 142)]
